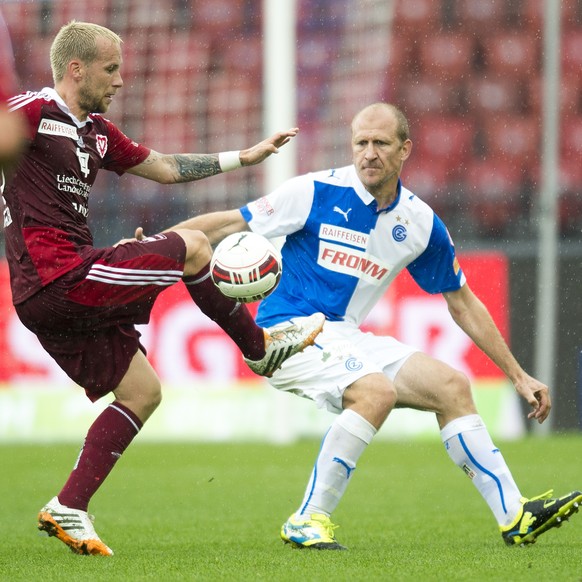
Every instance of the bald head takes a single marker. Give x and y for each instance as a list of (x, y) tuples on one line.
[(377, 112)]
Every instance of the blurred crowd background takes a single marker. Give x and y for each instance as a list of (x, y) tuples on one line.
[(467, 73)]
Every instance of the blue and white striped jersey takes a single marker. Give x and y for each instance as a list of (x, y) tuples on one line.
[(341, 253)]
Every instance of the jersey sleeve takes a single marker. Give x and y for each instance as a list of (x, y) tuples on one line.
[(283, 211), (437, 269), (122, 152)]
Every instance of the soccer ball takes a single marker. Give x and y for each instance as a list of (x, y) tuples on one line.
[(246, 267)]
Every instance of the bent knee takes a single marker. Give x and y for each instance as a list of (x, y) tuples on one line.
[(372, 396), (457, 391), (144, 400), (198, 249)]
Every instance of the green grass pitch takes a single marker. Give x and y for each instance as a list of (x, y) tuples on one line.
[(213, 512)]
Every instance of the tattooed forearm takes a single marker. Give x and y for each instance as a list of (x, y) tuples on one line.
[(190, 167)]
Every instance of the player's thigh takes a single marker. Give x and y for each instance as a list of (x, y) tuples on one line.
[(425, 383)]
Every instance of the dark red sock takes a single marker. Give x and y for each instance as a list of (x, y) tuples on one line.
[(234, 318), (106, 440)]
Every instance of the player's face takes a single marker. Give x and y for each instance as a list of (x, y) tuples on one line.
[(377, 152), (101, 78)]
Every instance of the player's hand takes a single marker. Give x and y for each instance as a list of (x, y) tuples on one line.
[(262, 150), (139, 236), (537, 395)]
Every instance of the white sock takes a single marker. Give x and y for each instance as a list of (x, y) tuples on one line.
[(341, 448), (470, 447)]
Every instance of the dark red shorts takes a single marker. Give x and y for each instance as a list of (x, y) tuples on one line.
[(86, 319)]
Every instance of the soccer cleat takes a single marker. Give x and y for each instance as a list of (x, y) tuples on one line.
[(73, 527), (315, 533), (538, 515), (284, 341)]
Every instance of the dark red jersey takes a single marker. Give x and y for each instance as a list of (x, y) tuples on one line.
[(46, 197)]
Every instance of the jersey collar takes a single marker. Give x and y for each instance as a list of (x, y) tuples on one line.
[(52, 94), (368, 199)]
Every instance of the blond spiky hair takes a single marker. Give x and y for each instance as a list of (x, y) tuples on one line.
[(77, 40)]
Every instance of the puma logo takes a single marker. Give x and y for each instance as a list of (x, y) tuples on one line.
[(343, 213)]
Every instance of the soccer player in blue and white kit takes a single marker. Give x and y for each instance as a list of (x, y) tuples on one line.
[(349, 232)]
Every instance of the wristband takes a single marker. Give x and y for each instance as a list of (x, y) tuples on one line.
[(229, 161)]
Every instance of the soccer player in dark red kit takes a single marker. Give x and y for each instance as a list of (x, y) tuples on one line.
[(82, 302)]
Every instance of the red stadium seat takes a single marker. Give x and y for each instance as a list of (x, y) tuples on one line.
[(403, 57), (428, 95), (66, 10), (570, 94), (495, 94), (481, 16), (571, 139), (139, 15), (572, 53), (493, 189), (243, 55), (514, 137), (449, 138), (219, 18), (431, 180), (447, 56), (512, 54), (415, 16), (179, 51)]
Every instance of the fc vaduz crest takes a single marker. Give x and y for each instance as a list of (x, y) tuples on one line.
[(101, 144)]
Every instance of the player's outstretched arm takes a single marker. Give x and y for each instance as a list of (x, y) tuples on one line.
[(215, 225), (475, 320), (178, 168)]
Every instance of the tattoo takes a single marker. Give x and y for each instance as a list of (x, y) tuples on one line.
[(192, 167)]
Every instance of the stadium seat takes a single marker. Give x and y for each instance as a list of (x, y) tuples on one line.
[(66, 10), (310, 98), (513, 55), (403, 55), (572, 52), (243, 55), (514, 137), (432, 181), (448, 138), (429, 95), (170, 134), (571, 139), (318, 15), (478, 16), (493, 188), (447, 56), (494, 94), (179, 51), (219, 18), (316, 52), (138, 15), (570, 94), (415, 16)]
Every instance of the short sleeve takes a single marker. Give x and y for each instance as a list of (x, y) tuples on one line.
[(437, 269), (283, 211)]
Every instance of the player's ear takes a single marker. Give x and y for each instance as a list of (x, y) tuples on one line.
[(75, 69), (406, 150)]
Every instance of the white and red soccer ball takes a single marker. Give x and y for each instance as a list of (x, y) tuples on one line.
[(246, 267)]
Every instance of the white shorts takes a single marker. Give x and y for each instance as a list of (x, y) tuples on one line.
[(341, 355)]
